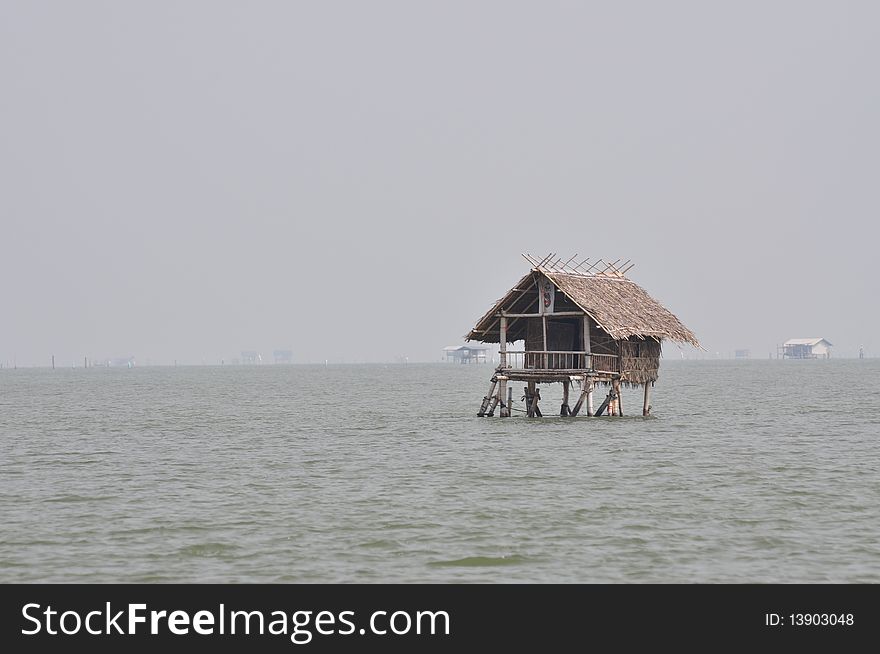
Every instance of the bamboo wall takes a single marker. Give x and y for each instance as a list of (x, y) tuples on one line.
[(639, 360)]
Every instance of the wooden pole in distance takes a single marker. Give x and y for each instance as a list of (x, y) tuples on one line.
[(646, 407)]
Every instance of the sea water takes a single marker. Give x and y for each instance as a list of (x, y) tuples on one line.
[(746, 471)]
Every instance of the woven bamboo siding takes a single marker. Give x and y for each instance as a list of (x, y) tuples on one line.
[(639, 361)]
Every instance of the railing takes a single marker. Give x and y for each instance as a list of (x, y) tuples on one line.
[(560, 360), (557, 360), (606, 363), (546, 360)]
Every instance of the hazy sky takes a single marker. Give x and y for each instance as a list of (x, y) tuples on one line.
[(356, 180)]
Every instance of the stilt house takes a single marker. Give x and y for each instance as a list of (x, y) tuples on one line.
[(584, 323)]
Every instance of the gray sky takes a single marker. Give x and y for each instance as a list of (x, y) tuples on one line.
[(355, 181)]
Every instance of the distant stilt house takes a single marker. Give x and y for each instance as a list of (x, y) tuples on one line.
[(805, 348), (283, 356), (587, 324), (466, 353), (251, 357), (742, 354)]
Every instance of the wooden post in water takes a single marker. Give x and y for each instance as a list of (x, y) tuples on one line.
[(53, 362), (646, 407), (585, 386), (564, 410), (530, 399), (509, 401), (487, 399), (590, 398), (618, 403), (605, 404), (502, 391), (502, 387), (502, 360), (491, 411)]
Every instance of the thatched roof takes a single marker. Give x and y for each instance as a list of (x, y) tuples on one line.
[(622, 308), (807, 341), (618, 305)]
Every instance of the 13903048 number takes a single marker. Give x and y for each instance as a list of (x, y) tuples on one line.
[(821, 619)]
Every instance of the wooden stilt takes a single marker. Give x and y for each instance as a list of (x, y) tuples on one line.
[(646, 407), (564, 410), (590, 399), (577, 405), (530, 396), (535, 399), (487, 399), (491, 411), (502, 358), (618, 401), (585, 388), (604, 404), (509, 401)]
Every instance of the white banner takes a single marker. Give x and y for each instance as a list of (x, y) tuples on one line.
[(548, 296)]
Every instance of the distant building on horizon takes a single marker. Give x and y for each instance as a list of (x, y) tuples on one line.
[(283, 356), (250, 357), (741, 354), (805, 348), (118, 362), (471, 353)]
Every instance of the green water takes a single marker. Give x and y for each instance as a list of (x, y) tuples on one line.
[(753, 471)]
